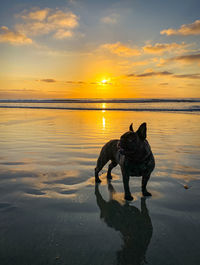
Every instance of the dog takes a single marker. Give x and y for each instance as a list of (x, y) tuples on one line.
[(133, 153)]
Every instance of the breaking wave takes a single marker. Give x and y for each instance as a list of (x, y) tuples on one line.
[(177, 105)]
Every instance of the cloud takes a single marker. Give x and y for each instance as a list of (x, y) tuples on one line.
[(164, 47), (13, 37), (149, 74), (63, 34), (51, 80), (35, 14), (75, 82), (120, 49), (111, 19), (190, 58), (72, 82), (40, 22), (189, 76), (164, 84), (186, 29), (48, 80), (165, 73), (63, 19), (46, 21)]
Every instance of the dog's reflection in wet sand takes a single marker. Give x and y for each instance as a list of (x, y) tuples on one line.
[(134, 225)]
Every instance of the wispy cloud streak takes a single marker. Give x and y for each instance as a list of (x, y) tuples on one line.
[(189, 58), (149, 74), (164, 73)]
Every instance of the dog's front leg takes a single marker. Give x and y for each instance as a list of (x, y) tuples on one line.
[(127, 192), (144, 186)]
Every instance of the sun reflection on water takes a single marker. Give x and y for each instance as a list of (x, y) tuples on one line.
[(103, 106), (103, 122)]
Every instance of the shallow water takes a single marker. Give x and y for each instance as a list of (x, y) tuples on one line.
[(51, 212)]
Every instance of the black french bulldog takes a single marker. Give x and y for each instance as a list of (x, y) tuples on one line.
[(133, 153)]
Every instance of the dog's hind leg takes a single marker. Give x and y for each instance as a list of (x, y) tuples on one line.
[(102, 160), (110, 167)]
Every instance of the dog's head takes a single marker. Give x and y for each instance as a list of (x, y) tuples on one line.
[(132, 140)]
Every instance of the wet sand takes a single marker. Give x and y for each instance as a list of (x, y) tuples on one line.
[(52, 213)]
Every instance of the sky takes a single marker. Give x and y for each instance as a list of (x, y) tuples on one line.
[(99, 49)]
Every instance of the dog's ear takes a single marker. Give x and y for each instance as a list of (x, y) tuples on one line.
[(131, 127), (142, 131)]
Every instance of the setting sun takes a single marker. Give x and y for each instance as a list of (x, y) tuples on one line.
[(104, 81)]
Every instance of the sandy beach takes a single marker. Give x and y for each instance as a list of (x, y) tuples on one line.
[(52, 213)]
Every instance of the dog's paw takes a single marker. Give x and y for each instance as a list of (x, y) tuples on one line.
[(128, 197), (146, 193), (97, 180)]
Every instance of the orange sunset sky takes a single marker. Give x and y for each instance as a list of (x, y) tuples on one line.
[(99, 49)]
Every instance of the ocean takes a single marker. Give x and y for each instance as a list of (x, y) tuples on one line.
[(51, 211), (183, 105)]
